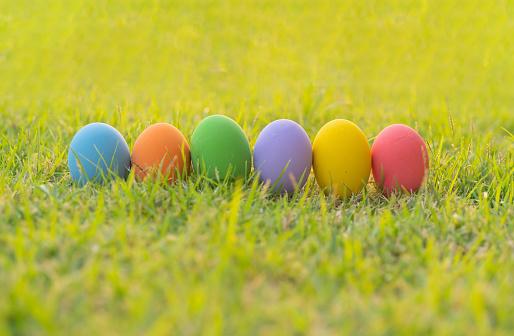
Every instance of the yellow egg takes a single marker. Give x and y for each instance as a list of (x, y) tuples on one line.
[(341, 158)]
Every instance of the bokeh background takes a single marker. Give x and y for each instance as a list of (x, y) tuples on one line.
[(373, 62)]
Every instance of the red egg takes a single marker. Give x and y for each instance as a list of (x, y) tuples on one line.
[(399, 159)]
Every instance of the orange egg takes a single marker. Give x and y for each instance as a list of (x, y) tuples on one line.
[(161, 146)]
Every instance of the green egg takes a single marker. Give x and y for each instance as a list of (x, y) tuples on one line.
[(220, 149)]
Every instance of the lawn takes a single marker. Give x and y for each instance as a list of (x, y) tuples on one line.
[(194, 258)]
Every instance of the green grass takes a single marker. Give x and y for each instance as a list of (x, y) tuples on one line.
[(229, 259)]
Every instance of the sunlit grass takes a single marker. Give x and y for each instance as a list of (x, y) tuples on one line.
[(207, 257)]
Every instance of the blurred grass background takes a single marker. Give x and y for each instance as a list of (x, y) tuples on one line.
[(374, 61)]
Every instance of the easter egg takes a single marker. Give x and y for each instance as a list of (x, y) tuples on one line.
[(161, 149), (98, 152), (399, 159), (283, 155), (220, 149), (341, 158)]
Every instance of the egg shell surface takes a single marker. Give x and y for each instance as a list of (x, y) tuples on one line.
[(98, 152), (220, 149), (283, 143), (161, 149), (401, 155), (341, 158)]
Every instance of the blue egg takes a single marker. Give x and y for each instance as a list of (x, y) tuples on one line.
[(98, 153)]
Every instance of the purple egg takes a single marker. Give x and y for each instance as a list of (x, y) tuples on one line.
[(283, 143)]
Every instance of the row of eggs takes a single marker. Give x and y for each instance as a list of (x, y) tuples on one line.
[(283, 156)]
